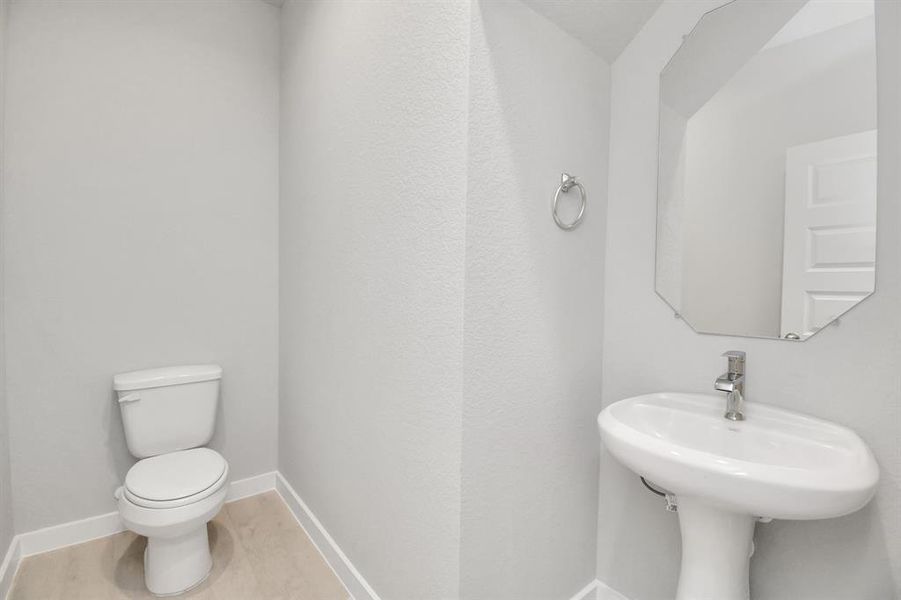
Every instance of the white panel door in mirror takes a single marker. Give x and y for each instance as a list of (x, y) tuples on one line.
[(830, 231)]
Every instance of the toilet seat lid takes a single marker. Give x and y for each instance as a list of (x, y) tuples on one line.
[(175, 475)]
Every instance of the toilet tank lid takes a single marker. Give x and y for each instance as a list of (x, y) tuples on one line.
[(153, 378)]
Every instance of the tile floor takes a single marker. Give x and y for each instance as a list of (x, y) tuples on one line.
[(259, 552)]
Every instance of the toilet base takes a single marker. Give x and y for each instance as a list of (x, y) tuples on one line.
[(175, 565)]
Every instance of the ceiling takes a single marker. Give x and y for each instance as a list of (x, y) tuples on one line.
[(605, 26), (818, 16)]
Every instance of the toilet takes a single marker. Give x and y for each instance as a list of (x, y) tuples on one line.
[(177, 486)]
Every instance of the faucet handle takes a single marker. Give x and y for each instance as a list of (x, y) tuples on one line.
[(736, 361)]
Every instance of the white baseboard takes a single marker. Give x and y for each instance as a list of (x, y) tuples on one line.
[(598, 590), (85, 530), (68, 534), (9, 566), (589, 592), (355, 583), (251, 486), (605, 592)]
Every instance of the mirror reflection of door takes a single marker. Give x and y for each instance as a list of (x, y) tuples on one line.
[(829, 252)]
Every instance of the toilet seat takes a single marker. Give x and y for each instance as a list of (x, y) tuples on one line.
[(176, 478)]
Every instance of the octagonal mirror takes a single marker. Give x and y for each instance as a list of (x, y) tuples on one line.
[(766, 215)]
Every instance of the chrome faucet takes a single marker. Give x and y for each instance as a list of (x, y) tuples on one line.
[(733, 383)]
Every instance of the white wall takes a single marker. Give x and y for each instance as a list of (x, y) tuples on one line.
[(139, 229), (6, 514), (381, 347), (533, 308), (373, 188), (847, 373)]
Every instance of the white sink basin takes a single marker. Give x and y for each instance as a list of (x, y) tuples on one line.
[(777, 463)]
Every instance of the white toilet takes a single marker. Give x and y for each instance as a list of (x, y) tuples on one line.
[(178, 486)]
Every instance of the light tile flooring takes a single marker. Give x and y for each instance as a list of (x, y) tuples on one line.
[(259, 552)]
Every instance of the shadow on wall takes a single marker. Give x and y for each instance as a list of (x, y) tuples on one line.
[(654, 544), (856, 539), (120, 460)]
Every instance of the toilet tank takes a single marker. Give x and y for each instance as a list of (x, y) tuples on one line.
[(168, 409)]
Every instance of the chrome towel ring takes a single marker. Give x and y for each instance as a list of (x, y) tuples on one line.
[(568, 182)]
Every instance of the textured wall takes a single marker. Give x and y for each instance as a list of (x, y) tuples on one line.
[(533, 310), (847, 373), (373, 187), (6, 514), (140, 229)]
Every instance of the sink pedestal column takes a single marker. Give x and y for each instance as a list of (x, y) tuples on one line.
[(716, 552)]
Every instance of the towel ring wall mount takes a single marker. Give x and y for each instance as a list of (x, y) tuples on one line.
[(568, 182)]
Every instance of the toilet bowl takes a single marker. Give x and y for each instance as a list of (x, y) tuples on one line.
[(170, 498), (178, 486)]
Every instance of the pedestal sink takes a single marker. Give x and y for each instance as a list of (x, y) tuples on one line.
[(727, 474)]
